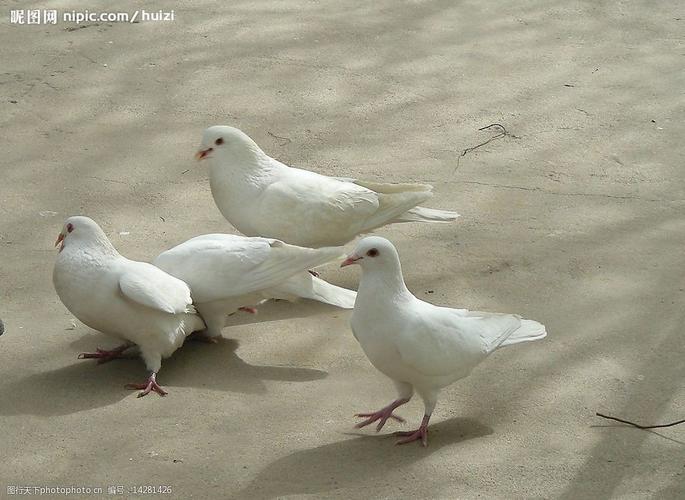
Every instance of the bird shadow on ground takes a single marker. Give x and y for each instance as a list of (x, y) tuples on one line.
[(218, 367), (85, 385), (278, 310), (318, 470), (69, 389)]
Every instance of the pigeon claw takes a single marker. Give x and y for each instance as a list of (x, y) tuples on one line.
[(419, 434), (103, 355), (383, 415), (379, 415), (251, 310), (150, 386)]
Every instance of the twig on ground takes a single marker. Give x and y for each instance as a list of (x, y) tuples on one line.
[(502, 133), (638, 425), (287, 141)]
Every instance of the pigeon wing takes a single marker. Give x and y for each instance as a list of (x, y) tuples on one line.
[(310, 208), (219, 266), (149, 286), (330, 207), (442, 341)]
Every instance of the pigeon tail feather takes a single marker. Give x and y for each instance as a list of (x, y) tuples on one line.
[(423, 214), (332, 294), (391, 188), (306, 286), (413, 214), (528, 331)]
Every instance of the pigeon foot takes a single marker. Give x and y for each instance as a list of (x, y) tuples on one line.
[(420, 434), (103, 356), (150, 386), (383, 415)]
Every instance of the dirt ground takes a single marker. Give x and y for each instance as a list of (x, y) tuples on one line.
[(575, 218)]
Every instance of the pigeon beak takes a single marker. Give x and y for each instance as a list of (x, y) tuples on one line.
[(60, 239), (351, 259), (203, 153)]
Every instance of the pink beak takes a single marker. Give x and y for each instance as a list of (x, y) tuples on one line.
[(351, 259), (203, 153), (60, 239)]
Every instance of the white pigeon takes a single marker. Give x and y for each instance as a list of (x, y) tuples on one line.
[(129, 300), (228, 272), (418, 345), (261, 196)]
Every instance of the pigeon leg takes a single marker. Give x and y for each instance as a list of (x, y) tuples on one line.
[(419, 434), (150, 386), (103, 356), (251, 310), (383, 415)]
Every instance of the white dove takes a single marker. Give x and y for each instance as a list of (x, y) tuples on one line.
[(261, 196), (228, 272), (418, 345), (129, 300)]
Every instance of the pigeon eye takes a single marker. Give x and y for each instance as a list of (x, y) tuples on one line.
[(219, 141), (372, 253), (70, 227)]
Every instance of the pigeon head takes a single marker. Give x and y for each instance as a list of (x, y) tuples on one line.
[(373, 252), (226, 143), (81, 231)]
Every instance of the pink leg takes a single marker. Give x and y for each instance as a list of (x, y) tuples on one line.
[(383, 415), (150, 386), (103, 356), (251, 310), (419, 434)]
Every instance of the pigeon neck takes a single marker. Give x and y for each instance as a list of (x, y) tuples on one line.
[(386, 281), (249, 164), (250, 153), (95, 245)]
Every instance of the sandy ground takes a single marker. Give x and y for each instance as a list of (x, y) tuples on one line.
[(575, 218)]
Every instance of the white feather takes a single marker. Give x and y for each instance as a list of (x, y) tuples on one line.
[(149, 286), (226, 272), (261, 196), (417, 343), (129, 300), (306, 286)]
